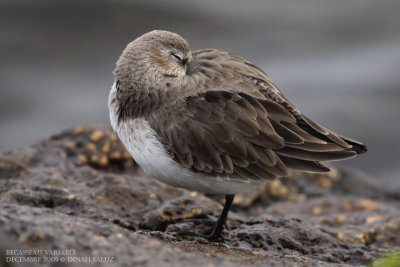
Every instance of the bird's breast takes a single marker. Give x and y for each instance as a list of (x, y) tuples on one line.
[(138, 138), (142, 143)]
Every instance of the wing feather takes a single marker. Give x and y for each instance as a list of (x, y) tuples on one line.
[(234, 122)]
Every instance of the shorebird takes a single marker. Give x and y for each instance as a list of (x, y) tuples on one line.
[(211, 121)]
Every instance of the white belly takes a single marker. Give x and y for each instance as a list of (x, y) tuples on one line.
[(142, 143)]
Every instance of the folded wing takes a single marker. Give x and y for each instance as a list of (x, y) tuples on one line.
[(239, 125)]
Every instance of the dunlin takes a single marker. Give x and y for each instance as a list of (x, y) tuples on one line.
[(211, 121)]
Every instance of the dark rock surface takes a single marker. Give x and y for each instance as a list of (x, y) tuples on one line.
[(80, 190)]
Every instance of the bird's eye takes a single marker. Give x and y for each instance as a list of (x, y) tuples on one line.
[(178, 57)]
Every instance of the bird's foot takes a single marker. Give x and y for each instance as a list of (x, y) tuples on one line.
[(203, 221), (198, 221), (208, 234), (214, 233)]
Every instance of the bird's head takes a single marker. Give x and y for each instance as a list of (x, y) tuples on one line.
[(156, 52)]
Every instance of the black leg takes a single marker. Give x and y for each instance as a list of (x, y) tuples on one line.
[(216, 233), (217, 229)]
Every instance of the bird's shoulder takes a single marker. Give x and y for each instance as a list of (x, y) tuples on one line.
[(213, 69)]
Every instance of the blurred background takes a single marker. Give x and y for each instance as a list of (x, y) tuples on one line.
[(337, 61)]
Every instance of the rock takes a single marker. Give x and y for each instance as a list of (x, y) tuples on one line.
[(80, 191)]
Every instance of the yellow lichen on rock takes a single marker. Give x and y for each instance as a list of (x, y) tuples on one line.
[(96, 135)]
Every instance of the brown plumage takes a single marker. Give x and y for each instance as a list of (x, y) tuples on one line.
[(218, 115)]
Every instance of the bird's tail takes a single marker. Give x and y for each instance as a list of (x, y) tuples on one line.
[(358, 147)]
